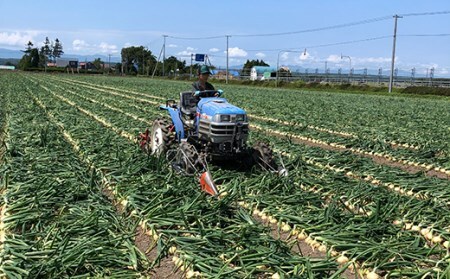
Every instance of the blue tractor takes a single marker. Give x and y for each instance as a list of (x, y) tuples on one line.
[(203, 127)]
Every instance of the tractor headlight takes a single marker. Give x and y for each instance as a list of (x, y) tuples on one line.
[(240, 117), (225, 118)]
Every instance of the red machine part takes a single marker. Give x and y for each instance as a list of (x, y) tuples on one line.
[(207, 184)]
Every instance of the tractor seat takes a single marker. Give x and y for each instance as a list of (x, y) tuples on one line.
[(188, 104)]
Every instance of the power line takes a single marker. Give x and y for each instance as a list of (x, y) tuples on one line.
[(366, 21), (425, 35), (196, 38), (425, 14), (331, 27), (324, 45)]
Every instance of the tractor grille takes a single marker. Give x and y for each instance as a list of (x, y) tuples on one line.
[(219, 132)]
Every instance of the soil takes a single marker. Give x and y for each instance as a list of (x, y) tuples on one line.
[(301, 247), (165, 269)]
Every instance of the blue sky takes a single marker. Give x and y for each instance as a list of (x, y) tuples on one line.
[(104, 27)]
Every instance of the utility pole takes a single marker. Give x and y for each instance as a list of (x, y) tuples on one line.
[(228, 36), (391, 78), (109, 63), (192, 57), (164, 54)]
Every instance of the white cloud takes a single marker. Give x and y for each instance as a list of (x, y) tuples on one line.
[(333, 58), (79, 45), (304, 55), (103, 47), (184, 53), (172, 45), (442, 71), (284, 56), (378, 60), (214, 49), (260, 55), (19, 39), (236, 52), (187, 52), (107, 48)]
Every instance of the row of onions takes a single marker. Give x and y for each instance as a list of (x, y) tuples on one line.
[(407, 154), (404, 156), (414, 185), (372, 242), (57, 223), (210, 237), (363, 121)]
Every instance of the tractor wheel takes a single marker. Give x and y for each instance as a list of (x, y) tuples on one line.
[(262, 156), (162, 136), (188, 158)]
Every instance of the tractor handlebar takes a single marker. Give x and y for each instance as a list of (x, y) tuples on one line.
[(208, 93)]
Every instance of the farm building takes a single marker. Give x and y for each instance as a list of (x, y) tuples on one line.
[(258, 72), (6, 67)]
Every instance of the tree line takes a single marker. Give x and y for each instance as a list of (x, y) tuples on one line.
[(134, 60), (38, 57)]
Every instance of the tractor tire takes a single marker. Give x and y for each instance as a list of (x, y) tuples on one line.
[(161, 137), (263, 157), (188, 159)]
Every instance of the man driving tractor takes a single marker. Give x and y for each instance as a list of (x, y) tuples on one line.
[(202, 83)]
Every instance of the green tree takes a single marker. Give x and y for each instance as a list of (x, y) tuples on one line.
[(29, 47), (98, 63), (174, 66), (250, 64), (46, 51), (137, 59), (30, 59), (57, 49)]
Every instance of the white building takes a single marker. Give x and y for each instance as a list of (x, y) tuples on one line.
[(258, 72)]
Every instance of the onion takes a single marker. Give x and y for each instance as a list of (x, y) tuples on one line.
[(415, 228), (190, 274), (437, 239), (397, 222), (372, 275), (322, 248), (424, 231), (286, 228), (446, 244), (302, 236), (342, 260), (172, 250)]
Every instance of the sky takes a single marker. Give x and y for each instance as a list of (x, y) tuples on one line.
[(326, 34)]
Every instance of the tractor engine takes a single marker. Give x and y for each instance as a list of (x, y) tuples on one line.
[(222, 126)]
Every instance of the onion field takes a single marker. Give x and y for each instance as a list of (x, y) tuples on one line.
[(367, 196)]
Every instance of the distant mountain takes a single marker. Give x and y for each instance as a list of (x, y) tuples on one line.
[(6, 61), (9, 53)]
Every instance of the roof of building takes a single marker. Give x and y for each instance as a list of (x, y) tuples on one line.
[(263, 69)]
